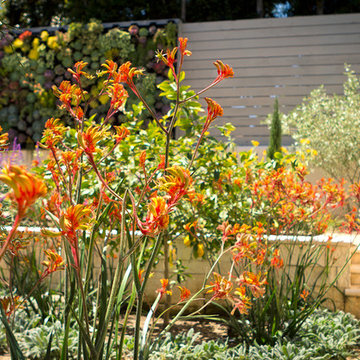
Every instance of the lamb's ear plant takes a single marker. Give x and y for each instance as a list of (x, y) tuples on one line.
[(324, 335)]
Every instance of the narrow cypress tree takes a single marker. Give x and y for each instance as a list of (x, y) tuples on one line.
[(275, 132)]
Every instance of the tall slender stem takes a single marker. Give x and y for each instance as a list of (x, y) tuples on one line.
[(116, 280), (91, 160), (166, 235), (196, 150), (139, 305), (10, 236), (200, 92), (137, 93), (140, 293)]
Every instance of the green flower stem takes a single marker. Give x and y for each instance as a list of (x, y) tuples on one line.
[(137, 93), (91, 249), (114, 287), (139, 301), (166, 234), (128, 311), (196, 150), (140, 294), (200, 92), (91, 160), (83, 311), (10, 236), (139, 304), (69, 296), (154, 253), (187, 304)]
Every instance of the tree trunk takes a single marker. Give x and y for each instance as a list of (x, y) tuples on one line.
[(260, 8), (320, 7), (183, 10)]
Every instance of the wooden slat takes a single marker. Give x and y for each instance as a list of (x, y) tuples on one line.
[(254, 102), (247, 92), (279, 61), (245, 139), (273, 71), (260, 130), (276, 81), (261, 110), (298, 21), (267, 42), (336, 48), (197, 37)]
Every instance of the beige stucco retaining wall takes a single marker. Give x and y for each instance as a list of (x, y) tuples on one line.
[(199, 268)]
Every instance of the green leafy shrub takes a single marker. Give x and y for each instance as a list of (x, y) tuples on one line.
[(324, 335), (330, 124)]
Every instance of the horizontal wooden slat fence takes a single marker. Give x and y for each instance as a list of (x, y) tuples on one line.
[(284, 58)]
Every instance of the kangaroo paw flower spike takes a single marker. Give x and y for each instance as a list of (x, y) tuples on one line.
[(26, 187), (53, 263)]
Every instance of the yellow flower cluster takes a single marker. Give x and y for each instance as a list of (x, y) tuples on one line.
[(34, 53), (52, 42)]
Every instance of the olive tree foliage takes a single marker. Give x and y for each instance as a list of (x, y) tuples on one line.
[(330, 125)]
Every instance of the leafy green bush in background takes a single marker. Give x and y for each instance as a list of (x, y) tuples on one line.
[(330, 124), (30, 64)]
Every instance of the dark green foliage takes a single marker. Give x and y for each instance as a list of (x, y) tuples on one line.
[(121, 10), (318, 7), (40, 12), (31, 13), (275, 133)]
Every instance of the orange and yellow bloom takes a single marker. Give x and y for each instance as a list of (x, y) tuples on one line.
[(26, 187), (221, 287), (184, 293), (214, 110), (53, 263), (176, 183), (224, 70), (163, 290), (157, 218)]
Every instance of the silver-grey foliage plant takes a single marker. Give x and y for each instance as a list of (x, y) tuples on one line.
[(330, 124)]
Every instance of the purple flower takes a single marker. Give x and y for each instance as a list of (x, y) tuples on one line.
[(49, 74)]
